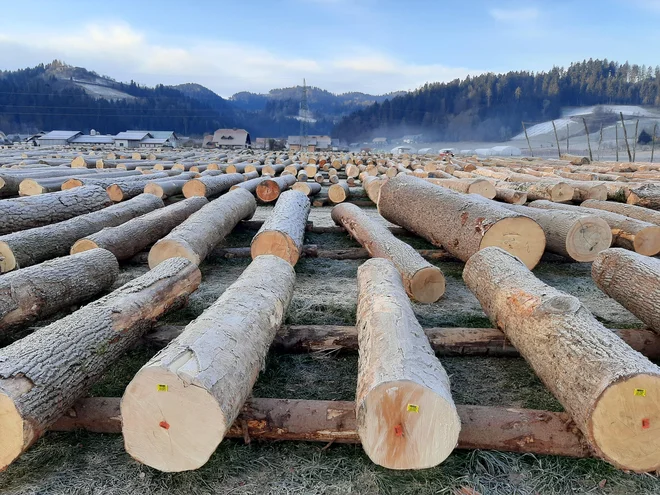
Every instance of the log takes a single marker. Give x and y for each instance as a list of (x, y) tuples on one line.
[(283, 232), (558, 192), (611, 391), (43, 374), (647, 196), (628, 233), (41, 290), (165, 188), (422, 281), (250, 185), (632, 280), (467, 186), (461, 223), (209, 369), (194, 239), (128, 239), (510, 196), (338, 193), (372, 187), (307, 188), (210, 186), (579, 236), (406, 417), (32, 246), (270, 189), (35, 211), (631, 211), (123, 190), (105, 180)]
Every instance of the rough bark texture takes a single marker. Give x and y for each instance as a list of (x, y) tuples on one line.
[(43, 374), (421, 280), (207, 372), (631, 211), (29, 247), (270, 189), (628, 233), (195, 237), (250, 184), (406, 417), (467, 186), (552, 191), (35, 211), (647, 196), (122, 191), (592, 372), (632, 280), (128, 239), (165, 189), (42, 290), (576, 235), (211, 185), (283, 232), (103, 181), (462, 224), (10, 179)]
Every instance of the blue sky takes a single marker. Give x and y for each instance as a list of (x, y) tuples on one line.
[(340, 45)]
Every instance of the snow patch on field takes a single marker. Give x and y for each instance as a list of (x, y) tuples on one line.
[(98, 91)]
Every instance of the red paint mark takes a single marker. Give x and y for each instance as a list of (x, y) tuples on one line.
[(398, 430), (164, 424), (646, 423)]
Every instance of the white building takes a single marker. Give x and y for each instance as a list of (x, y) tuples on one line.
[(131, 139), (403, 149), (232, 138), (58, 138)]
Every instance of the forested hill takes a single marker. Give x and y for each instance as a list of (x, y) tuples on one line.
[(58, 96), (490, 107)]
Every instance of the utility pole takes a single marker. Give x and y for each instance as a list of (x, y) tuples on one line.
[(556, 139), (304, 112)]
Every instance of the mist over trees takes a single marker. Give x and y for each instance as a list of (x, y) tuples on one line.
[(490, 107)]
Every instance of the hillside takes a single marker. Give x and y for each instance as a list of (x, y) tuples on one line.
[(491, 107)]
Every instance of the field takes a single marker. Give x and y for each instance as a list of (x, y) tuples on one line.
[(326, 293)]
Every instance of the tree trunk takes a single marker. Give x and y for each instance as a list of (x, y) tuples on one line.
[(283, 232), (406, 417), (422, 281), (211, 186), (121, 191), (510, 196), (128, 239), (633, 281), (467, 186), (628, 233), (611, 391), (559, 192), (307, 188), (10, 179), (339, 192), (631, 211), (463, 224), (372, 186), (43, 374), (29, 247), (647, 196), (103, 181), (579, 236), (249, 185), (195, 238), (30, 212), (42, 290), (165, 188), (270, 189), (178, 407), (274, 170)]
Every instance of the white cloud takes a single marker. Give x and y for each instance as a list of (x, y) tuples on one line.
[(515, 15), (120, 51)]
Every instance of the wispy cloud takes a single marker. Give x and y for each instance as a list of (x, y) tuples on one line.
[(649, 5), (515, 15), (120, 50)]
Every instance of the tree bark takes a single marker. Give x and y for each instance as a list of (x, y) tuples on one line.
[(283, 232), (463, 224), (166, 188), (631, 211), (467, 186), (628, 233), (422, 281), (128, 239), (633, 281), (178, 407), (30, 212), (611, 391), (103, 181), (32, 246), (194, 239), (42, 290), (647, 196), (209, 186), (510, 196), (43, 374), (270, 189), (558, 192), (406, 417), (249, 185), (579, 236)]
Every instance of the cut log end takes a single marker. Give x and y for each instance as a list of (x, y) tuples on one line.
[(268, 191), (625, 423), (194, 188), (11, 426), (482, 188), (408, 426), (588, 237), (338, 193), (115, 193), (83, 245), (7, 258), (155, 189), (562, 192), (156, 416), (647, 241), (71, 183), (427, 285), (275, 243), (520, 236), (170, 248)]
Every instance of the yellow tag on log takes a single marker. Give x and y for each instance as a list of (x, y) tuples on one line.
[(413, 408), (161, 388), (640, 392)]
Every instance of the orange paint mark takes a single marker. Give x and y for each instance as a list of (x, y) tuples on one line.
[(646, 423), (164, 424), (398, 430), (527, 303)]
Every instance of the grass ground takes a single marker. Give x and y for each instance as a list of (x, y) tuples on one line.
[(85, 463)]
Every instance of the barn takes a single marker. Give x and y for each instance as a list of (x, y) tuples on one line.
[(58, 138), (232, 138)]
